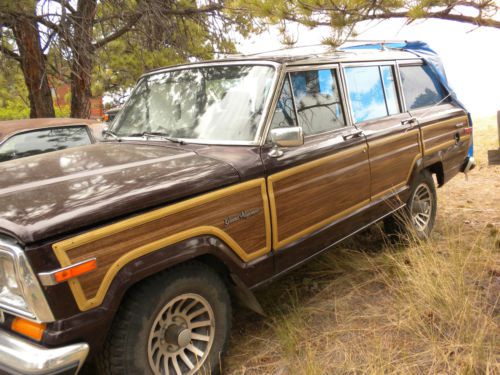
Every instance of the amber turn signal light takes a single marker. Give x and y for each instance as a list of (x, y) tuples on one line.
[(468, 131), (76, 270), (28, 328)]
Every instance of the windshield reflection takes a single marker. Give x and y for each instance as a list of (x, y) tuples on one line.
[(212, 103)]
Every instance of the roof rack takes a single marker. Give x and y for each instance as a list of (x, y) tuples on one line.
[(382, 44), (356, 43)]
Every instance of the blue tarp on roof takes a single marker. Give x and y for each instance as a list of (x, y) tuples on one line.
[(422, 50)]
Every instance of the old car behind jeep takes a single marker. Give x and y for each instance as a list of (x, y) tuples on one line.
[(216, 178), (28, 137)]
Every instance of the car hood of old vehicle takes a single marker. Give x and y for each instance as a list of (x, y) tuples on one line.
[(64, 191)]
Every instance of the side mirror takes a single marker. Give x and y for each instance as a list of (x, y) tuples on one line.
[(287, 137)]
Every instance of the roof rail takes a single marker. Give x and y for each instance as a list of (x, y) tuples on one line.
[(367, 43), (285, 50), (352, 43)]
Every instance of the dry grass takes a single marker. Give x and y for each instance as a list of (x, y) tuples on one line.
[(370, 307)]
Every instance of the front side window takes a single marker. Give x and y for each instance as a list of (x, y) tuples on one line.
[(284, 115), (317, 99), (372, 92), (211, 103), (420, 86), (44, 140)]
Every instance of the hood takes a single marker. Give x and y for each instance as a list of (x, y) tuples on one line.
[(60, 192)]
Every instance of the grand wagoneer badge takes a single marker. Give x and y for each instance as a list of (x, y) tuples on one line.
[(242, 215)]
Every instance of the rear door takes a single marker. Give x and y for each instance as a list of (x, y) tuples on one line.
[(393, 142), (322, 182), (442, 123)]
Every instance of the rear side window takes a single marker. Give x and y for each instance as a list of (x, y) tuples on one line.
[(421, 87), (317, 99), (44, 140), (372, 92)]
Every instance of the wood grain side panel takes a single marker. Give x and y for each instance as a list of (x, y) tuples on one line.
[(392, 159), (313, 195), (248, 236), (441, 134)]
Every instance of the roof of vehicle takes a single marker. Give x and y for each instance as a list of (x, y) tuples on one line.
[(14, 126), (300, 56)]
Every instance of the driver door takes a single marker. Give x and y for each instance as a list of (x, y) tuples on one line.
[(314, 187)]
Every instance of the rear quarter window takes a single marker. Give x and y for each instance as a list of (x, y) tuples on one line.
[(44, 140), (421, 87)]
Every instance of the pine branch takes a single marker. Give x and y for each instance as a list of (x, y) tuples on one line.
[(10, 53)]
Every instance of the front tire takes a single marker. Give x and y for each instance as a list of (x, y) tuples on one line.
[(176, 322), (417, 218)]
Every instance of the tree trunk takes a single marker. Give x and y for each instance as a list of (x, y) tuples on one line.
[(81, 66), (33, 67)]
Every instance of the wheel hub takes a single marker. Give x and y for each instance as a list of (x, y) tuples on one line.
[(178, 336)]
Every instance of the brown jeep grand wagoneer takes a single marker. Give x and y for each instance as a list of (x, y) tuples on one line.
[(215, 179)]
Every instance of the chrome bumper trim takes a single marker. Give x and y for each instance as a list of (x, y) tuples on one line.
[(469, 164), (20, 356)]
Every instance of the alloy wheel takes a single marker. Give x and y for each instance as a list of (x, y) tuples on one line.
[(181, 336), (421, 207)]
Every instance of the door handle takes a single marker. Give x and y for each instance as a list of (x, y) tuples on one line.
[(410, 122), (352, 135)]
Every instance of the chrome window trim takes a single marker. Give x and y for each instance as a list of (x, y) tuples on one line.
[(27, 281), (399, 84), (211, 63), (294, 102), (345, 93), (275, 98), (258, 139)]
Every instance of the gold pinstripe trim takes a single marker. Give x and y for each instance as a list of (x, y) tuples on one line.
[(391, 138), (392, 190), (444, 145), (446, 122), (62, 247)]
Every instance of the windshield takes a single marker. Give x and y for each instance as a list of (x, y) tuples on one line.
[(212, 103)]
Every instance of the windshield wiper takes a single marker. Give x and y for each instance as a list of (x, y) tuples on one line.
[(111, 133), (159, 135)]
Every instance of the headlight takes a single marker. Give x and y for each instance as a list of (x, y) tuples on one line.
[(11, 295), (20, 291)]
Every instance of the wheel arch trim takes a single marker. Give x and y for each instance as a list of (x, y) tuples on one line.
[(85, 304)]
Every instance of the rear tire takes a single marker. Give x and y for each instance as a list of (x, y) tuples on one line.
[(176, 322), (417, 218)]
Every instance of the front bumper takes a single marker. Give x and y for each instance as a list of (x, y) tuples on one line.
[(21, 356)]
